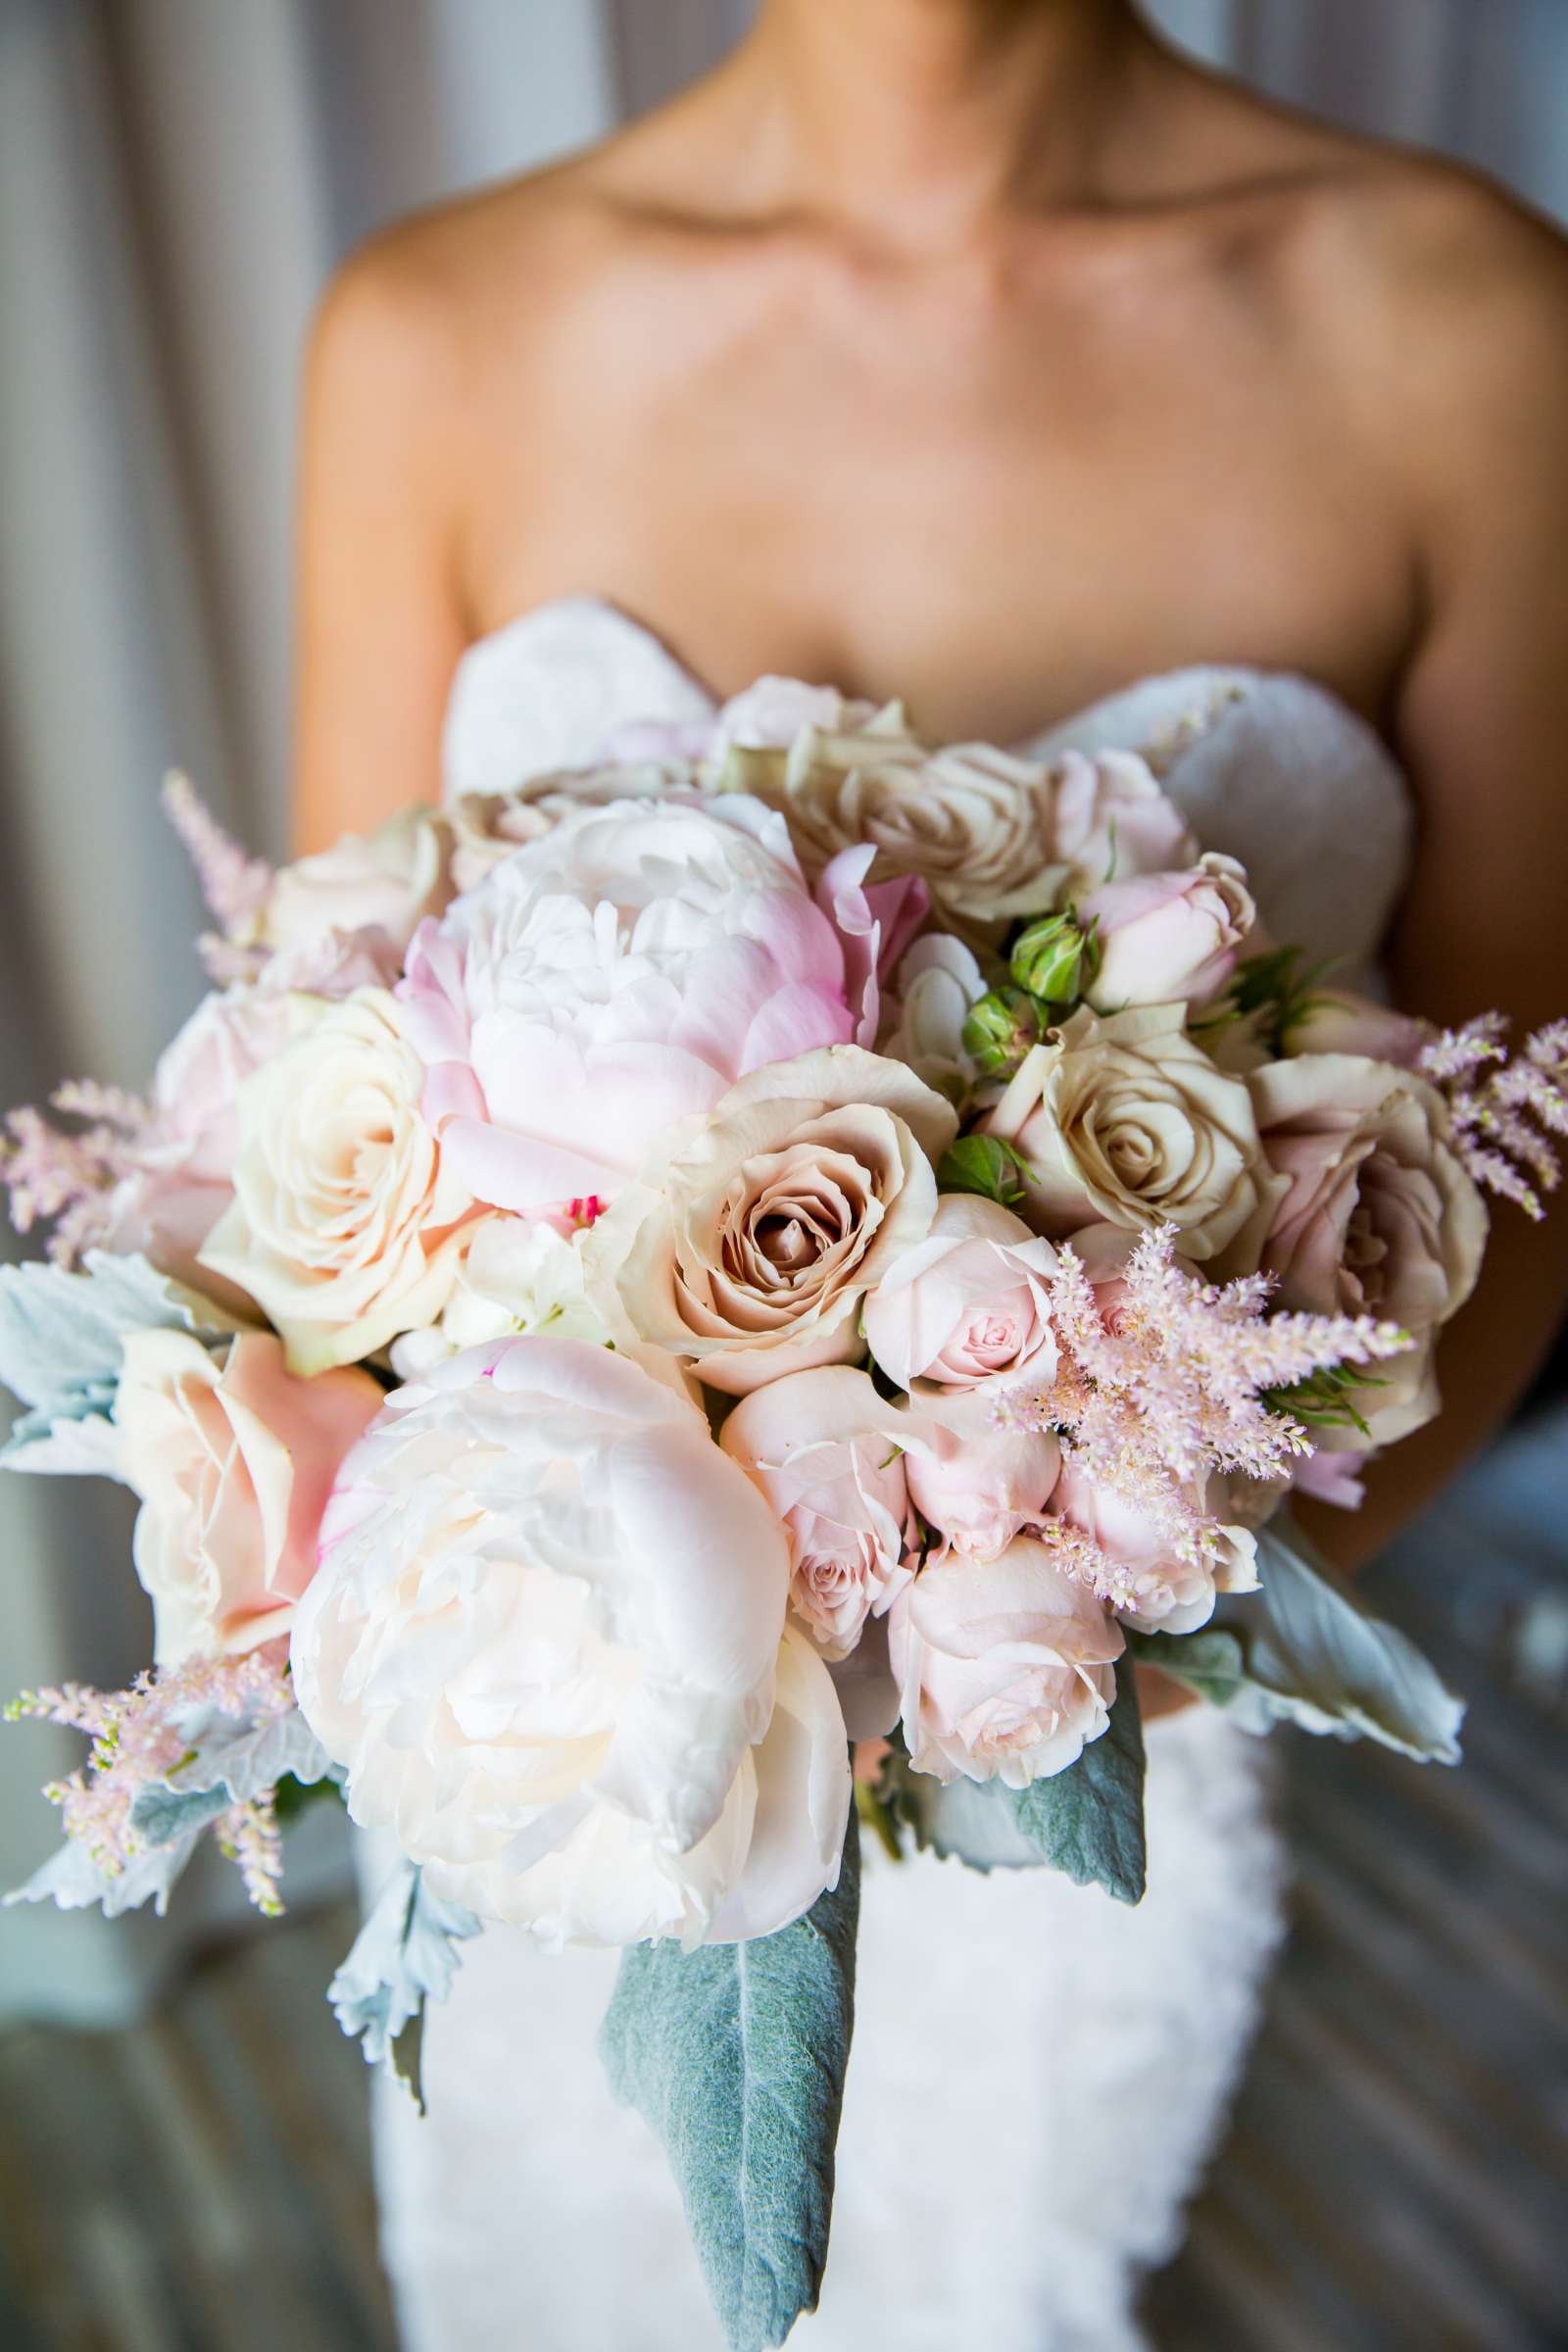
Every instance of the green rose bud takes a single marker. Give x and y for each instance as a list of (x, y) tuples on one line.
[(983, 1164), (1000, 1029), (1055, 958)]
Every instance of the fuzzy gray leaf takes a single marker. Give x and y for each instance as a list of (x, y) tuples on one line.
[(1213, 1663), (735, 2055), (1317, 1657), (61, 1348), (1089, 1820), (72, 1880), (405, 1955)]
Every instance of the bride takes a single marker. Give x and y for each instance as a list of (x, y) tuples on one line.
[(985, 353)]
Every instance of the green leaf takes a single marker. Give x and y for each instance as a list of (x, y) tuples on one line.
[(1316, 1657), (1211, 1663), (735, 2055), (983, 1164), (1089, 1820)]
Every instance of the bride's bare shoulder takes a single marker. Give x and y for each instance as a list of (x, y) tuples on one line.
[(499, 264)]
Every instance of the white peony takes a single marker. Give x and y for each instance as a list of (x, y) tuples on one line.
[(545, 1641), (517, 1276)]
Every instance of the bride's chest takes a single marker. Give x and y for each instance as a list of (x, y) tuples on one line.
[(997, 525)]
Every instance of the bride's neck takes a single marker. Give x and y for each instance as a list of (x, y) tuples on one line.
[(933, 116)]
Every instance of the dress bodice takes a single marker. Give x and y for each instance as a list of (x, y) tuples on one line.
[(1270, 767)]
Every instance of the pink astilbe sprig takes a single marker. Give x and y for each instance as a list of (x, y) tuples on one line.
[(1182, 1379), (1503, 1110), (65, 1175), (142, 1735), (232, 882), (248, 1835)]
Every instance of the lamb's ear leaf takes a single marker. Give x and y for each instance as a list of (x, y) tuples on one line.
[(1089, 1820), (735, 2055), (61, 1347), (1316, 1657), (959, 1821), (1213, 1663)]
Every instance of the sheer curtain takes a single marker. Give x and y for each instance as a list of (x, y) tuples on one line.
[(176, 178)]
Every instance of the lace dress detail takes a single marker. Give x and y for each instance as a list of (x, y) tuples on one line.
[(1039, 2073)]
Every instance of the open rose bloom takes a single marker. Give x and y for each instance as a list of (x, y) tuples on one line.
[(787, 1233)]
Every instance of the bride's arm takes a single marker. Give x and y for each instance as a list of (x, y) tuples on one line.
[(381, 620), (1483, 725)]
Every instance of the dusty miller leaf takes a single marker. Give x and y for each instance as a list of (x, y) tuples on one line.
[(61, 1351), (405, 1955)]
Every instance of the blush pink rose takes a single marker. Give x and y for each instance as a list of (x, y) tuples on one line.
[(967, 1306), (1110, 820), (1164, 1592), (1335, 1020), (233, 1459), (1376, 1215), (974, 1484), (607, 982), (1006, 1666), (1162, 937), (822, 1446)]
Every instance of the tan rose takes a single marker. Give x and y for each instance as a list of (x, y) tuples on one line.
[(975, 824), (346, 1226), (1126, 1120), (753, 1235), (1375, 1215)]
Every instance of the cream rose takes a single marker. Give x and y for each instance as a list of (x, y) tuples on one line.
[(966, 1306), (753, 1235), (1006, 1666), (1126, 1120), (546, 1641), (1376, 1215), (975, 824), (822, 1446), (233, 1459), (345, 1226), (385, 881)]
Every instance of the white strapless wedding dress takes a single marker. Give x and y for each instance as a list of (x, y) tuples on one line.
[(1039, 2073)]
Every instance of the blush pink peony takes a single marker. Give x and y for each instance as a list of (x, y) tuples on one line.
[(609, 981)]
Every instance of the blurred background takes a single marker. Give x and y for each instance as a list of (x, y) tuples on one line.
[(177, 177)]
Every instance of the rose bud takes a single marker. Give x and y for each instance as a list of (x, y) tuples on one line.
[(1054, 958), (999, 1031)]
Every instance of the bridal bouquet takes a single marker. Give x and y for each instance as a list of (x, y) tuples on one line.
[(627, 1288)]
